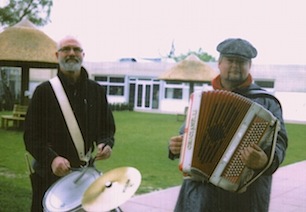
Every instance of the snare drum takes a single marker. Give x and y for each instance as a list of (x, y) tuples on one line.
[(66, 195)]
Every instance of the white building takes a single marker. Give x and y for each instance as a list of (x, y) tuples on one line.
[(137, 84)]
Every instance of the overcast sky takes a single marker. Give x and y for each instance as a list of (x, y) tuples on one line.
[(145, 28)]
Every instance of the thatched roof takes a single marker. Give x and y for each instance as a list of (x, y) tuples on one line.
[(191, 69), (24, 42)]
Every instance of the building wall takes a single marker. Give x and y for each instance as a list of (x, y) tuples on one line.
[(288, 78), (293, 105)]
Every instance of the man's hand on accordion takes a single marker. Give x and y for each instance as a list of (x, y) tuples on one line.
[(175, 144), (254, 157)]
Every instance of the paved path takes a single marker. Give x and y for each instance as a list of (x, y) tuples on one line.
[(288, 193)]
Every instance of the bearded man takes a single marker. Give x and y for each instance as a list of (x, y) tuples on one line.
[(46, 135)]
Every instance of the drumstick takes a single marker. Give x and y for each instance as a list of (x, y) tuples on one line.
[(84, 170), (87, 165)]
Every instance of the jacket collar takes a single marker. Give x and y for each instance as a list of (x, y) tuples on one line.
[(65, 80), (216, 83)]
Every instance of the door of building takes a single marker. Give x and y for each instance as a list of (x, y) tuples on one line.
[(146, 94)]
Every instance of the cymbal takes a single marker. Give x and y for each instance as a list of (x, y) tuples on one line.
[(111, 189)]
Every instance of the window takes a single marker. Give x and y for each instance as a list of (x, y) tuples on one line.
[(174, 93), (265, 83), (174, 90), (116, 90), (101, 78), (114, 86), (116, 79)]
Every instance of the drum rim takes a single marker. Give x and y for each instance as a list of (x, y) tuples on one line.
[(47, 204)]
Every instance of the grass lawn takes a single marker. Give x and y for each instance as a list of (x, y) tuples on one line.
[(141, 142)]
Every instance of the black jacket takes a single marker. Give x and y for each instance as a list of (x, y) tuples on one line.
[(46, 134)]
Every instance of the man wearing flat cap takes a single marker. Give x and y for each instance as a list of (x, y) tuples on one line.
[(235, 64)]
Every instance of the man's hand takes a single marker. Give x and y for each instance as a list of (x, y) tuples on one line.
[(254, 157), (104, 152), (60, 166), (175, 144)]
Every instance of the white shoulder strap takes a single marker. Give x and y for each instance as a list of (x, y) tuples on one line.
[(70, 119)]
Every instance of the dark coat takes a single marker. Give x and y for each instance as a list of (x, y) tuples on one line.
[(46, 134)]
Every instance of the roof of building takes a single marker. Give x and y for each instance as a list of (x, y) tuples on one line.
[(24, 42)]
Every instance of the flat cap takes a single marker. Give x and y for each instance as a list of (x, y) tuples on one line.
[(237, 47)]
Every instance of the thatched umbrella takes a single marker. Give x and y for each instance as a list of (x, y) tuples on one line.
[(23, 45), (190, 70)]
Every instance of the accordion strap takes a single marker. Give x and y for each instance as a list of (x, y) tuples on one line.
[(70, 119)]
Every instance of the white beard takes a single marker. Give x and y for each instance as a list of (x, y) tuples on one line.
[(71, 66)]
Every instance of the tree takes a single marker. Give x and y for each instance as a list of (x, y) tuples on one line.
[(204, 56), (37, 11)]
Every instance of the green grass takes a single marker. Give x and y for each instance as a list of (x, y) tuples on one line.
[(141, 142), (296, 143)]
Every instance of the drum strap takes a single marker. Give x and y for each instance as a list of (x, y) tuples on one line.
[(70, 119)]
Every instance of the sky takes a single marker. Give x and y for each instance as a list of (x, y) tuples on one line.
[(114, 29)]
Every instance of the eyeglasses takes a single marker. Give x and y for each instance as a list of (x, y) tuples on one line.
[(67, 49)]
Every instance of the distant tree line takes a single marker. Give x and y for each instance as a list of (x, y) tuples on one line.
[(204, 56)]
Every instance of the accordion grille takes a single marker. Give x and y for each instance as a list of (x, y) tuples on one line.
[(235, 167), (221, 113)]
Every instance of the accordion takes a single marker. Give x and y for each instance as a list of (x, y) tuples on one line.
[(219, 124)]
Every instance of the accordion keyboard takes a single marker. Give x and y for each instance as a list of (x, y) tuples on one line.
[(254, 133)]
